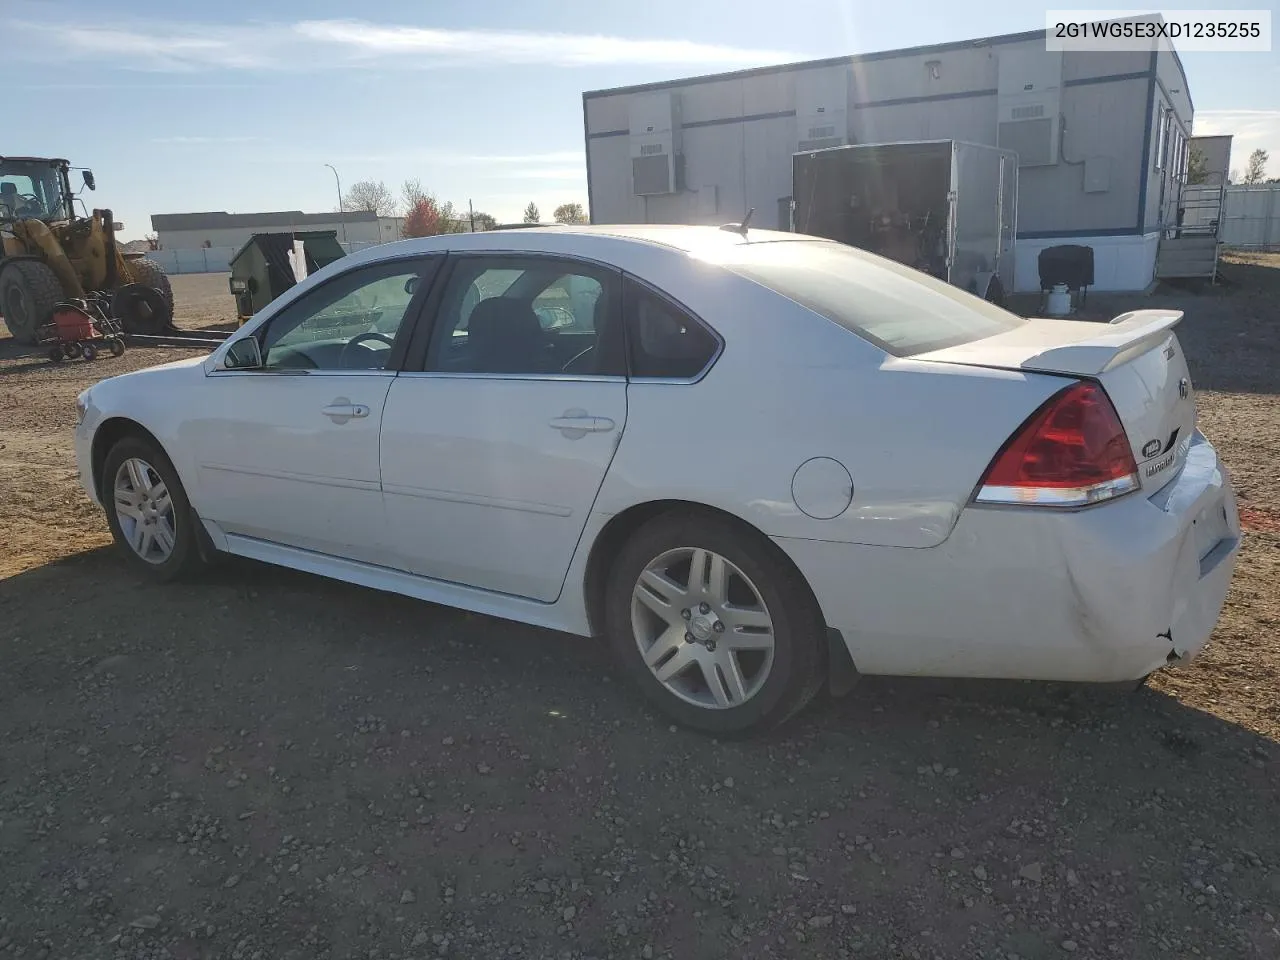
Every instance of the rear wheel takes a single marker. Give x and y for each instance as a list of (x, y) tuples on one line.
[(718, 630), (29, 290), (148, 511)]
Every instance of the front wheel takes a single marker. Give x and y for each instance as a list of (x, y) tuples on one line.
[(148, 511), (715, 626)]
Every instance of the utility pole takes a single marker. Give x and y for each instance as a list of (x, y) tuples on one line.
[(472, 211), (342, 216)]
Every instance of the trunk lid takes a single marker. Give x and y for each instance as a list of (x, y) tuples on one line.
[(1137, 359)]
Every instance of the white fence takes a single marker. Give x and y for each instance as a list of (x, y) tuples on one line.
[(211, 259), (1251, 217)]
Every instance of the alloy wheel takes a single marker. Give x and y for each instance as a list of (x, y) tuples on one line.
[(702, 628), (144, 511)]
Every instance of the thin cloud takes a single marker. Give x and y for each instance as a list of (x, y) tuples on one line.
[(326, 44), (564, 156), (428, 157), (552, 49), (541, 173), (1250, 130), (202, 140)]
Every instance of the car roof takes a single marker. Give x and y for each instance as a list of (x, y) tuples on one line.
[(681, 236), (684, 238)]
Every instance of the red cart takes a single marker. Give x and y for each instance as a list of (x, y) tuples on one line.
[(81, 328)]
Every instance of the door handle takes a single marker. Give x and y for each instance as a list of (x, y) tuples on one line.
[(575, 425), (341, 410)]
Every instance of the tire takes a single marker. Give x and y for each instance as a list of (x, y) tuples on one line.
[(55, 354), (777, 683), (183, 558), (116, 346), (151, 274), (29, 290), (89, 352)]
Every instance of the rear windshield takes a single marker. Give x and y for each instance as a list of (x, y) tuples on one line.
[(900, 310)]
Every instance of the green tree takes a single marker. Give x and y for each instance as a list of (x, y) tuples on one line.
[(531, 214), (484, 221), (570, 213)]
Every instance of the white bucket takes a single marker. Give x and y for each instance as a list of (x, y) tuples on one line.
[(1058, 303)]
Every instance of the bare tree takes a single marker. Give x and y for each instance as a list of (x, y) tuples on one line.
[(531, 214), (411, 192), (371, 195), (1256, 171), (1197, 166), (570, 213)]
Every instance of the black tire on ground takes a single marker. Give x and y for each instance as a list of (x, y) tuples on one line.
[(185, 559), (28, 291), (151, 274), (90, 352), (116, 346), (799, 665)]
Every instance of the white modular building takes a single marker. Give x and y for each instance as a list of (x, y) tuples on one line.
[(1101, 139), (217, 228)]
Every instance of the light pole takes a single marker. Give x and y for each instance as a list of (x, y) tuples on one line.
[(342, 219)]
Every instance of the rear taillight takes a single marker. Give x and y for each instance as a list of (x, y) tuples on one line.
[(1071, 452)]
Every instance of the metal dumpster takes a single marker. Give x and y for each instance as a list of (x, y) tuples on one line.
[(260, 270)]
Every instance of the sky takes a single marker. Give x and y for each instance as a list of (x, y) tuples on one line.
[(236, 105)]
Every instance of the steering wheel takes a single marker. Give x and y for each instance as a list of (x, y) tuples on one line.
[(31, 204), (361, 338), (576, 357)]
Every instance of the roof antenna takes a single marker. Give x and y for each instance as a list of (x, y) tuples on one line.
[(740, 228)]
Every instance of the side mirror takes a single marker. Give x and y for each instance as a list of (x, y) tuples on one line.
[(89, 181), (244, 354)]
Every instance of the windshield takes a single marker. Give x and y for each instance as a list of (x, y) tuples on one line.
[(31, 189), (900, 310)]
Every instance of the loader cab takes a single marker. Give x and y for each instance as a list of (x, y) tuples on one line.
[(36, 188)]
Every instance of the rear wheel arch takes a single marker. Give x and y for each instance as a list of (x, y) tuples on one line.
[(623, 525)]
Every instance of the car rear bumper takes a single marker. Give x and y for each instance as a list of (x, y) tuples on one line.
[(1102, 594)]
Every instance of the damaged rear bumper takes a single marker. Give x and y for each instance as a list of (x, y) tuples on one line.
[(1104, 594)]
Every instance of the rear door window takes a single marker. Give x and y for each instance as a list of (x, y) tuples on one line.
[(665, 341), (900, 310)]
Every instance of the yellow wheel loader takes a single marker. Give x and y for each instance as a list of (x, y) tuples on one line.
[(49, 254)]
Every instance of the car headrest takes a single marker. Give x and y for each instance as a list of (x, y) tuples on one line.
[(505, 337)]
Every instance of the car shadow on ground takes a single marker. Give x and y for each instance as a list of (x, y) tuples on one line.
[(987, 807), (250, 594)]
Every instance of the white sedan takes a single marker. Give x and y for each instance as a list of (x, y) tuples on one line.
[(756, 462)]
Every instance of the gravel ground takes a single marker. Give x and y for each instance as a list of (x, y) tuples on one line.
[(270, 765)]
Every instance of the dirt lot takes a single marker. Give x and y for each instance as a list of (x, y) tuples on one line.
[(267, 765)]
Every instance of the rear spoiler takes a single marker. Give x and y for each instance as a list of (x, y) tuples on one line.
[(1125, 337)]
